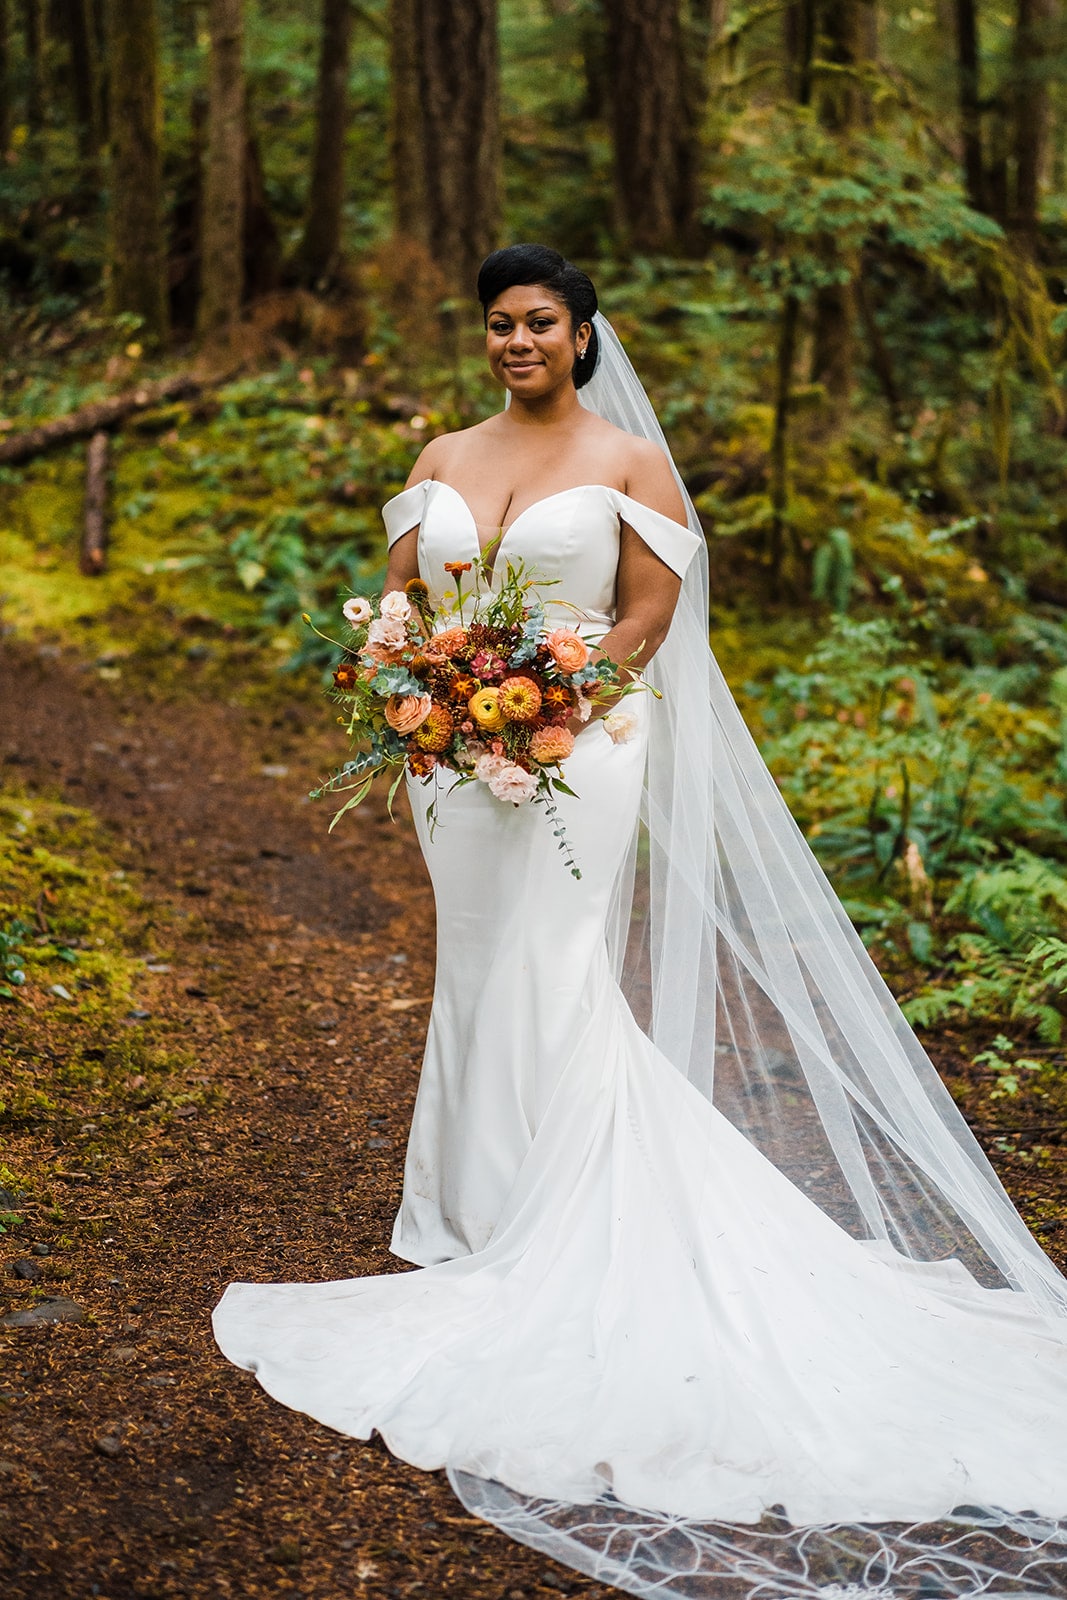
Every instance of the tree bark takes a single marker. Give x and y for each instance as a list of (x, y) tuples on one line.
[(85, 75), (321, 244), (838, 102), (655, 73), (1034, 22), (222, 228), (33, 36), (968, 89), (6, 118), (445, 130), (138, 267), (94, 532)]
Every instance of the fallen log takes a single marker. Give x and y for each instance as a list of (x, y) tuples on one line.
[(102, 414), (94, 532)]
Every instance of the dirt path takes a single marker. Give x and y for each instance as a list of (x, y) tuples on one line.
[(295, 972), (134, 1462)]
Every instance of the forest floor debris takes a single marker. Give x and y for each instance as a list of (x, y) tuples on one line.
[(244, 1117)]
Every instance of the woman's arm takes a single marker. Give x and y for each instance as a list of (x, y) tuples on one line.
[(646, 589), (403, 554)]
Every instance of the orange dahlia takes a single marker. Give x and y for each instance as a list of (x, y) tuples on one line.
[(448, 643), (435, 733), (420, 765), (520, 699), (549, 745)]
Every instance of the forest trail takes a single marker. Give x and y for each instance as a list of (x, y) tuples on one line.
[(296, 968)]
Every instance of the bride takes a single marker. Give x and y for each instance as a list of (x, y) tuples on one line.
[(718, 1295)]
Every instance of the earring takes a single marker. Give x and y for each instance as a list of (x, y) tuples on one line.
[(581, 355)]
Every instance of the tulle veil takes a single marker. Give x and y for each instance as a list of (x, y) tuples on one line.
[(740, 963)]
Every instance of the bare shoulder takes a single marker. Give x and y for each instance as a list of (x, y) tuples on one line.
[(645, 473), (435, 456)]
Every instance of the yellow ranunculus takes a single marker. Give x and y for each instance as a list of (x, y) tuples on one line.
[(485, 710)]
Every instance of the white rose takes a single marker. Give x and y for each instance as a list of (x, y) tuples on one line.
[(584, 708), (395, 605), (512, 783), (620, 726), (357, 610), (389, 632), (489, 766)]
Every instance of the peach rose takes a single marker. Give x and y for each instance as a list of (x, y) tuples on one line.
[(549, 745), (512, 783), (489, 766), (389, 632), (357, 611), (406, 712), (570, 652), (395, 605)]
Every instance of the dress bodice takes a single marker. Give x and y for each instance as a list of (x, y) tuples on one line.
[(569, 540)]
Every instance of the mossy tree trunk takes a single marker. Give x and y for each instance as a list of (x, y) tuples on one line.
[(222, 226), (138, 264), (446, 130), (657, 53), (1035, 28), (80, 33), (320, 246)]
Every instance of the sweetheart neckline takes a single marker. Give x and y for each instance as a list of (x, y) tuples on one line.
[(545, 499), (534, 504)]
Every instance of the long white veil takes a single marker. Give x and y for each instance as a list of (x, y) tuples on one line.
[(740, 963)]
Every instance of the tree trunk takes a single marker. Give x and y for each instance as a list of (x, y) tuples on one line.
[(94, 532), (33, 35), (222, 227), (1034, 22), (6, 118), (321, 244), (655, 67), (445, 130), (837, 103), (968, 79), (138, 266), (85, 76)]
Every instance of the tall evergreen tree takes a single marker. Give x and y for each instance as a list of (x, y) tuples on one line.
[(80, 31), (222, 215), (446, 130), (968, 91), (656, 60), (321, 243), (33, 43), (138, 264)]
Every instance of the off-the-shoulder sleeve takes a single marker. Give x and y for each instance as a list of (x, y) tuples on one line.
[(673, 542), (404, 511)]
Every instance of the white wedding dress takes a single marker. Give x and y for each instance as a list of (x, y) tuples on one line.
[(628, 1318)]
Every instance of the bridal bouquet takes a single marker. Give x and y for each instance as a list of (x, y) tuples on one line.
[(483, 692)]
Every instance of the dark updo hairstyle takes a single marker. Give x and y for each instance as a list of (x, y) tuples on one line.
[(537, 263)]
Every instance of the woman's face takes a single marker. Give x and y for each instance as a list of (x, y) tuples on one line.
[(530, 341)]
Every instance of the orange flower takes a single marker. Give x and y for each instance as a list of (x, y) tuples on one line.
[(456, 567), (434, 734), (519, 699), (406, 712), (550, 745), (464, 687), (556, 697), (448, 643), (420, 764), (570, 652)]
